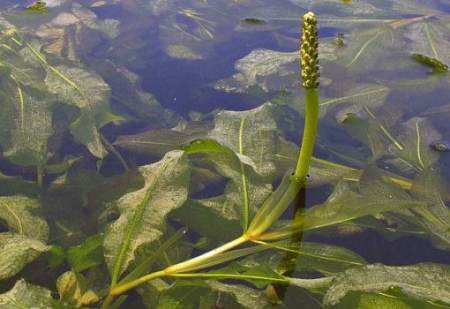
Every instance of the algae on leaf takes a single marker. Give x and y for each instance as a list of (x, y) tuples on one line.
[(21, 216), (16, 252), (27, 295), (26, 120), (425, 281)]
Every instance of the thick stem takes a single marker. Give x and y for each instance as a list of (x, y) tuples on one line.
[(277, 209), (309, 133), (194, 263), (189, 265), (120, 289)]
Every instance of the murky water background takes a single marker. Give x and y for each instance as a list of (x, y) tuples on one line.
[(186, 56)]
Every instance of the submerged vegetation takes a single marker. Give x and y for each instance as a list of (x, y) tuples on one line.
[(111, 199)]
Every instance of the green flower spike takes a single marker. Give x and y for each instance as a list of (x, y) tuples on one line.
[(309, 52), (309, 62)]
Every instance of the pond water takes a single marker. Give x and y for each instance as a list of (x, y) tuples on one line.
[(137, 135)]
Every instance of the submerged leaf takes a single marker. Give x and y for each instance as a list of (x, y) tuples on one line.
[(345, 205), (143, 212), (372, 301), (87, 255), (21, 217), (88, 92), (430, 187), (73, 290), (16, 252), (26, 295), (424, 281), (26, 120)]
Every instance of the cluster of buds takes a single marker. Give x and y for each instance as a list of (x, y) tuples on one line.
[(309, 52)]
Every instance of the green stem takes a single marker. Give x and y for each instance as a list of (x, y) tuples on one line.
[(309, 133), (113, 150), (191, 264), (120, 289)]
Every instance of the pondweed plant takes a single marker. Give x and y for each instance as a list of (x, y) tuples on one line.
[(69, 95), (274, 206)]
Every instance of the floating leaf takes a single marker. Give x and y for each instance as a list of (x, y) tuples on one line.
[(425, 281)]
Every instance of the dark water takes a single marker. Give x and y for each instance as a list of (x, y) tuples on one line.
[(185, 57)]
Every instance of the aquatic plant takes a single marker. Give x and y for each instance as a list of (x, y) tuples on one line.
[(276, 204), (193, 211)]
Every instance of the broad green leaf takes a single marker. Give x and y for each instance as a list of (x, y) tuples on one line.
[(73, 290), (26, 295), (185, 295), (255, 134), (245, 191), (143, 212), (16, 252), (208, 292), (243, 295), (87, 255), (424, 281), (374, 194), (90, 94), (157, 142), (311, 256), (21, 216), (26, 119), (259, 276), (345, 205)]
